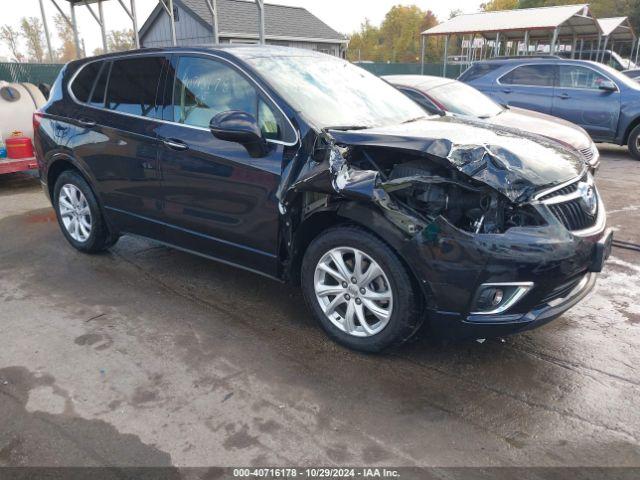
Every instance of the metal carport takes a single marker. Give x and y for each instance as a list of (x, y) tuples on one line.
[(547, 25)]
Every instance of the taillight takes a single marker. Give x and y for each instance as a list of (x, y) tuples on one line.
[(37, 118)]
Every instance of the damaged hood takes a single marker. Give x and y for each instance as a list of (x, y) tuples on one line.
[(513, 162)]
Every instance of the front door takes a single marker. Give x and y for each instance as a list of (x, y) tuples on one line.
[(218, 200), (579, 99)]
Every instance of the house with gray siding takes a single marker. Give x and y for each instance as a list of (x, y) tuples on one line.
[(238, 23)]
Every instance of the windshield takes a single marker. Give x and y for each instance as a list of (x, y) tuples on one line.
[(619, 77), (457, 97), (332, 92)]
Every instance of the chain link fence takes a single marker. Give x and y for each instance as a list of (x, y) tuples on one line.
[(30, 72)]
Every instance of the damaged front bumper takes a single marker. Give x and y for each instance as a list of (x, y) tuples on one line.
[(557, 267)]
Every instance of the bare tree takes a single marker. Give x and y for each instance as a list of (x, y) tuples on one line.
[(11, 37), (32, 32), (67, 52)]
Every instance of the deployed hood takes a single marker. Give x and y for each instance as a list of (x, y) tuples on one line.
[(513, 162), (545, 125)]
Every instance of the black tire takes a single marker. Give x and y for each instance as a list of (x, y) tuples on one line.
[(634, 138), (100, 238), (405, 316)]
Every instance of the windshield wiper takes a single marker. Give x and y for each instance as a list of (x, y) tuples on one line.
[(415, 119), (347, 127)]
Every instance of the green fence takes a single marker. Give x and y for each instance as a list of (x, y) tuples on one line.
[(30, 72), (47, 72), (453, 71)]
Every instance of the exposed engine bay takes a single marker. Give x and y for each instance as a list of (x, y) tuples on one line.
[(430, 190)]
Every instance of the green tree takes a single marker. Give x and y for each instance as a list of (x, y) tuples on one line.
[(67, 51), (365, 44), (495, 5), (121, 40), (32, 32)]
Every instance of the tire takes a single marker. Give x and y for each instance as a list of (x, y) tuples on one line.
[(92, 239), (402, 308), (634, 143)]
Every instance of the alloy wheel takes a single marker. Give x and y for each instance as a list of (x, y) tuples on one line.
[(75, 212), (353, 291)]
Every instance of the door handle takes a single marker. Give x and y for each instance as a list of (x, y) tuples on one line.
[(506, 90), (175, 144), (85, 122), (564, 96)]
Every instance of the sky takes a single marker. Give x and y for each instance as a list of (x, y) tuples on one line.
[(343, 15)]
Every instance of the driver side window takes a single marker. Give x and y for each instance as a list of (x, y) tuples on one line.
[(204, 88)]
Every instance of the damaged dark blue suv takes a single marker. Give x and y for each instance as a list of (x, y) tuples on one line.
[(306, 169)]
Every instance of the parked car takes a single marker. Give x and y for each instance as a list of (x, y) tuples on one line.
[(438, 95), (607, 57), (307, 169), (635, 74), (601, 100)]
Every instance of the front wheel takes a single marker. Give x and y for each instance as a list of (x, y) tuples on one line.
[(359, 290), (634, 143)]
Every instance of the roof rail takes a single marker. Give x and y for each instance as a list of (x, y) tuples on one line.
[(514, 57)]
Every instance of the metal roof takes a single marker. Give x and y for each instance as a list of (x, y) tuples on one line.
[(239, 18), (540, 22), (617, 28)]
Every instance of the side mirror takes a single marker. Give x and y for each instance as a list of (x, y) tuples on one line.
[(239, 127), (608, 86)]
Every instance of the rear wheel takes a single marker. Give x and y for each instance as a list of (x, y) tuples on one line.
[(359, 290), (634, 143), (79, 215)]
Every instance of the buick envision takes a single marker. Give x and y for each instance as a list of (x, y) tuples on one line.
[(306, 169)]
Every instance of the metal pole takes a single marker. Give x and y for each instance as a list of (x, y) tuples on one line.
[(496, 47), (74, 26), (172, 19), (134, 21), (554, 39), (581, 48), (446, 53), (526, 42), (213, 9), (637, 51), (422, 51), (604, 48), (598, 48), (574, 45), (261, 29), (103, 30), (46, 31)]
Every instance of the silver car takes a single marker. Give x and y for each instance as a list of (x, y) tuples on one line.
[(440, 95)]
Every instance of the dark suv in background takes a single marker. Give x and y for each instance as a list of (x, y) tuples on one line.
[(307, 169), (601, 100)]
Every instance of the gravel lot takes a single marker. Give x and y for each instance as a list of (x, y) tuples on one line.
[(148, 356)]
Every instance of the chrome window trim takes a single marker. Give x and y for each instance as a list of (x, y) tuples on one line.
[(498, 80), (523, 289), (182, 52)]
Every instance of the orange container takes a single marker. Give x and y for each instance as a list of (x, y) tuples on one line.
[(19, 146)]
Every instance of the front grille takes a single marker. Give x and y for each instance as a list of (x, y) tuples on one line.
[(572, 212), (587, 153), (573, 215), (562, 191)]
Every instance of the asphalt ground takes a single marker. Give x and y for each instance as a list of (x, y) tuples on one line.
[(148, 356)]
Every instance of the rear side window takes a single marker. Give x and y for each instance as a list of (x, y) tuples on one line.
[(530, 75), (575, 76), (133, 85), (420, 100), (97, 95), (83, 83), (477, 71)]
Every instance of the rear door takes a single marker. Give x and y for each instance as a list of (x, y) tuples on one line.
[(123, 151), (528, 86), (579, 99)]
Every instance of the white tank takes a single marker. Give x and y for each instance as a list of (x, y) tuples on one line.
[(18, 101)]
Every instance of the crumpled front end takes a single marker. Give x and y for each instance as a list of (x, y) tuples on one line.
[(492, 242)]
